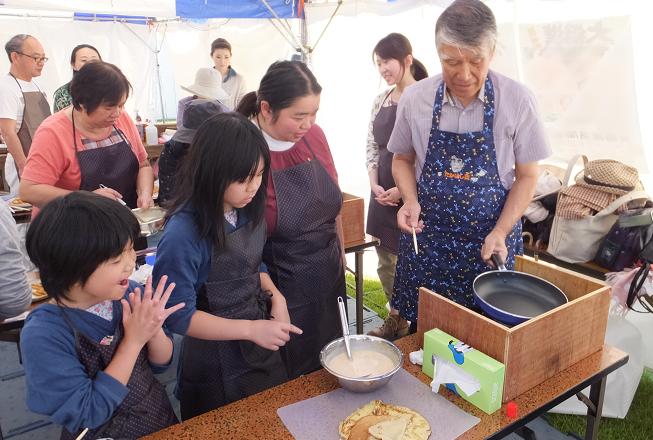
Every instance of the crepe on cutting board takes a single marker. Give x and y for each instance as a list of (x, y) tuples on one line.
[(382, 421)]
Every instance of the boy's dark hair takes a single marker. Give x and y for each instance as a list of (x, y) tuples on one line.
[(74, 234), (98, 83), (226, 148), (282, 84)]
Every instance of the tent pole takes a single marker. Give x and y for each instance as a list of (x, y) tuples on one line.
[(289, 31), (158, 76), (158, 68), (306, 53)]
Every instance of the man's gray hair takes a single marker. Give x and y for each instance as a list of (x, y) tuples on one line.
[(15, 44), (467, 24)]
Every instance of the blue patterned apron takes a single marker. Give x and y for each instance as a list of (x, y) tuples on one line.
[(461, 197)]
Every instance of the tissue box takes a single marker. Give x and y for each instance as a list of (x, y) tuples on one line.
[(487, 371)]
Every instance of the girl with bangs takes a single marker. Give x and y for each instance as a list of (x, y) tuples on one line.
[(234, 319)]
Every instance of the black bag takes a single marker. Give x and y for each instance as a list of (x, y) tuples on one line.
[(646, 258), (622, 245)]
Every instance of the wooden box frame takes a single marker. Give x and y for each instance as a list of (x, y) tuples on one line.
[(537, 349), (353, 218)]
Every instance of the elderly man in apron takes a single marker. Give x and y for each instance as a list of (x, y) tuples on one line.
[(23, 106), (466, 145)]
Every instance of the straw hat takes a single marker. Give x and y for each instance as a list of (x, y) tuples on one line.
[(609, 176), (207, 85)]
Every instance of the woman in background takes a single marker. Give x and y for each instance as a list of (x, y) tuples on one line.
[(233, 83), (81, 55), (393, 56)]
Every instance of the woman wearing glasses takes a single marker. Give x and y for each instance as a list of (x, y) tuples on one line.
[(23, 106)]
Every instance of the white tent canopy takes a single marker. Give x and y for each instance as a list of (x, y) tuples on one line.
[(586, 61)]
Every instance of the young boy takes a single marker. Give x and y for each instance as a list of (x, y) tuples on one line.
[(89, 358)]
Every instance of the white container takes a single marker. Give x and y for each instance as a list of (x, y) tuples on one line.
[(151, 135)]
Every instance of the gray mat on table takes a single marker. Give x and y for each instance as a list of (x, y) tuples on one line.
[(318, 418)]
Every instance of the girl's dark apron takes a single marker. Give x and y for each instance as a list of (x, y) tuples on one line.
[(304, 259), (115, 166), (214, 373), (461, 197), (145, 410), (382, 220)]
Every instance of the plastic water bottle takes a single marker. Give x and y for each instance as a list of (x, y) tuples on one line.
[(151, 135)]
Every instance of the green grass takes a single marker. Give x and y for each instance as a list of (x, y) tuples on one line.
[(637, 425), (374, 297)]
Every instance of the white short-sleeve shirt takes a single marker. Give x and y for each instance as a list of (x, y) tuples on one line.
[(12, 103)]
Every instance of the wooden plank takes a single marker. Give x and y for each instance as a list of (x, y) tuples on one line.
[(573, 284), (550, 343), (353, 218), (154, 151), (436, 311), (539, 348)]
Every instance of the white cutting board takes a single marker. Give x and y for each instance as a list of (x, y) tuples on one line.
[(318, 418)]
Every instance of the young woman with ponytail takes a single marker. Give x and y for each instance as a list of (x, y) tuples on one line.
[(304, 251), (393, 56)]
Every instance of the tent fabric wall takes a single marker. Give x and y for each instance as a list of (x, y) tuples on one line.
[(156, 8), (600, 86), (592, 86), (126, 45)]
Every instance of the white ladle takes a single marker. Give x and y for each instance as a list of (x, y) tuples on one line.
[(345, 325)]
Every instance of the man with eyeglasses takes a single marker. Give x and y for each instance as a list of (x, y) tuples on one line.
[(23, 106)]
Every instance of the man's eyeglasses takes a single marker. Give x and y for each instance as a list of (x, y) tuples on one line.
[(38, 59)]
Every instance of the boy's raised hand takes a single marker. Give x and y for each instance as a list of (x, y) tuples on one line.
[(272, 334), (143, 316)]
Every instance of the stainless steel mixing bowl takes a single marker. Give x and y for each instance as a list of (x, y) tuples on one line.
[(362, 342), (150, 219)]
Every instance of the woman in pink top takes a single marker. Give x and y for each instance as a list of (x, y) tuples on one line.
[(304, 251), (92, 145)]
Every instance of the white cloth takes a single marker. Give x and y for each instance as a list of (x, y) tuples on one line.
[(12, 103), (536, 212), (15, 291), (274, 144), (547, 183), (235, 86), (11, 175), (416, 357)]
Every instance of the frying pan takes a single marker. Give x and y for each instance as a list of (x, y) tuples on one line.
[(513, 297)]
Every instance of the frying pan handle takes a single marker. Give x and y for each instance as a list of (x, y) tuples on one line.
[(498, 262)]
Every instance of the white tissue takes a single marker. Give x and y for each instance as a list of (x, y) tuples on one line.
[(448, 372), (140, 275), (416, 357)]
